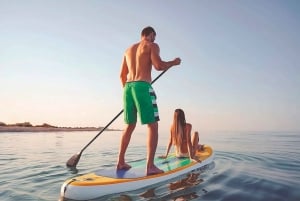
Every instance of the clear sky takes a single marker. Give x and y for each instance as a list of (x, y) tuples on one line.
[(60, 61)]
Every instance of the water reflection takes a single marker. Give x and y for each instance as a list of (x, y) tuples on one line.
[(189, 180), (73, 170)]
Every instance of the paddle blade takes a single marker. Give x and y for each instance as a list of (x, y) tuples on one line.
[(72, 162)]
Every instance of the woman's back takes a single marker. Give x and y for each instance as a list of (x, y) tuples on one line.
[(182, 141), (180, 137)]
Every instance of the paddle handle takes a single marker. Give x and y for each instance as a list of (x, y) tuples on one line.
[(103, 129)]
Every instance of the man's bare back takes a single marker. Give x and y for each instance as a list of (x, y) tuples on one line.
[(138, 59)]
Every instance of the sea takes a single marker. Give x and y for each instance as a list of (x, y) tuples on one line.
[(247, 166)]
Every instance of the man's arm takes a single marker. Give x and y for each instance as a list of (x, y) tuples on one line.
[(124, 72), (158, 63)]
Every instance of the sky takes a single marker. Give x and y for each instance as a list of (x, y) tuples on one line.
[(60, 61)]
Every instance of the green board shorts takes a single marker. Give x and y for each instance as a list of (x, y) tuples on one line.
[(139, 97)]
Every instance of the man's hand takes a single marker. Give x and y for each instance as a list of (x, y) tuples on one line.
[(177, 61)]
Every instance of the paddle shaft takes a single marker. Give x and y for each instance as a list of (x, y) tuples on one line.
[(103, 129)]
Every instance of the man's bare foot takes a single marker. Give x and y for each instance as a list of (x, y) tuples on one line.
[(124, 166), (154, 170)]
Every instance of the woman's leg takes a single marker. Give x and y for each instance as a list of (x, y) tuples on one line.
[(195, 141)]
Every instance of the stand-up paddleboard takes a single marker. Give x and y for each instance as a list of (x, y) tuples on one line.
[(108, 181)]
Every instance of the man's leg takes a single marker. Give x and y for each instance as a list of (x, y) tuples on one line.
[(123, 147), (152, 144)]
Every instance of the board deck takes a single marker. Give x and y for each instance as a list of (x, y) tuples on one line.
[(138, 168), (109, 180)]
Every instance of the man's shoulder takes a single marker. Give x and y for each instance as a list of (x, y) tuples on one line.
[(133, 46), (154, 44), (149, 44), (153, 47)]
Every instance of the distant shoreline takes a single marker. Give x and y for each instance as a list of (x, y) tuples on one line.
[(49, 129)]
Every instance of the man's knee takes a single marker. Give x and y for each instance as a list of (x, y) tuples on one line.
[(130, 127), (153, 126)]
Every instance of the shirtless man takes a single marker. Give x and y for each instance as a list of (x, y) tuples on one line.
[(139, 96)]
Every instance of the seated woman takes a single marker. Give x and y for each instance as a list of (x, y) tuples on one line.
[(180, 137)]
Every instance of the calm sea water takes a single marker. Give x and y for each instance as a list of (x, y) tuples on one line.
[(247, 166)]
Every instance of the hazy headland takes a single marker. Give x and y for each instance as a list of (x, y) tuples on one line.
[(28, 127)]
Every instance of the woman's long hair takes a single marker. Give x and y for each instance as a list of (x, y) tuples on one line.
[(178, 127)]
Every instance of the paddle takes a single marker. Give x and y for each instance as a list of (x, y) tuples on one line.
[(72, 162)]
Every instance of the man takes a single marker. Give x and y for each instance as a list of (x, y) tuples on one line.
[(139, 96)]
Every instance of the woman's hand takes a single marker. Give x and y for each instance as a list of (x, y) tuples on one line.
[(196, 159)]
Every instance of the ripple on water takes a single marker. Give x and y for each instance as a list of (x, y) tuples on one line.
[(250, 177), (254, 171)]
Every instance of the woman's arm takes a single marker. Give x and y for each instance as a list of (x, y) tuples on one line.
[(169, 145)]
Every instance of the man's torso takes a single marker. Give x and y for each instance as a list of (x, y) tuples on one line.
[(138, 59)]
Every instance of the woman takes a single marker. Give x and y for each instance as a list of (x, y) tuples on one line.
[(180, 137)]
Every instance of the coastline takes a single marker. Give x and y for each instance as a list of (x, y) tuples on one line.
[(49, 129)]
